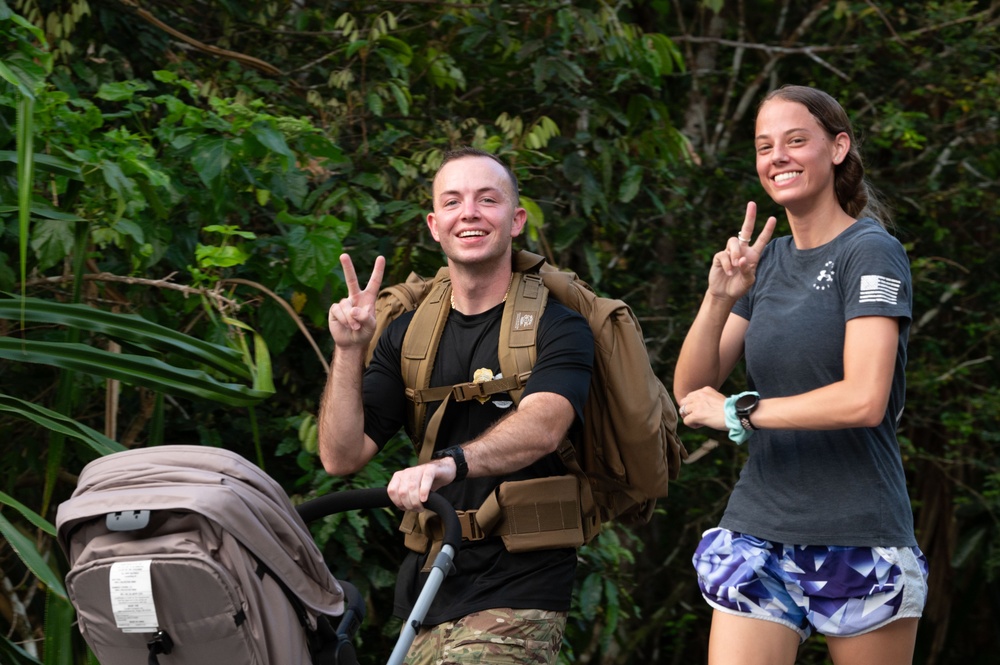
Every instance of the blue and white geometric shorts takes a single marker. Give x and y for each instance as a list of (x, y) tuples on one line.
[(836, 591)]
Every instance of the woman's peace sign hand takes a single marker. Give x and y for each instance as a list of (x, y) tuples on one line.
[(734, 268)]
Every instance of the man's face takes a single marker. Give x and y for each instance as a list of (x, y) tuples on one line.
[(475, 215)]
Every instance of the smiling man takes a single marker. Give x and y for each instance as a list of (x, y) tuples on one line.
[(498, 606)]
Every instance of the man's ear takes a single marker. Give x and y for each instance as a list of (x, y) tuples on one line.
[(432, 225), (520, 219)]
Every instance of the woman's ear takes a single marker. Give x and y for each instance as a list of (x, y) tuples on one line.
[(841, 146)]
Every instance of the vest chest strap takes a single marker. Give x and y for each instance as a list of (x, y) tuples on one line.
[(463, 392)]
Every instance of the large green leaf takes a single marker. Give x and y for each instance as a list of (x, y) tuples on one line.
[(31, 557), (129, 328), (131, 369), (59, 616), (11, 654), (28, 513), (46, 212), (315, 255), (25, 177), (52, 241), (271, 138), (57, 422), (210, 158), (50, 163)]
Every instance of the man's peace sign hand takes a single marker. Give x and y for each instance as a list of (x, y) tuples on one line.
[(352, 320)]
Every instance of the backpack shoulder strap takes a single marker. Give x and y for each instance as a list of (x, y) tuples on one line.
[(519, 328), (420, 345), (395, 300)]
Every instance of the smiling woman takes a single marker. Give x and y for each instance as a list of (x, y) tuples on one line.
[(797, 128), (796, 159), (823, 318)]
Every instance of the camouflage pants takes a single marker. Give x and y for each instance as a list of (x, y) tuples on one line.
[(498, 637)]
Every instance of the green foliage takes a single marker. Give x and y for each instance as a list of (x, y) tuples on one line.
[(14, 654), (26, 550), (23, 68), (195, 199), (603, 603)]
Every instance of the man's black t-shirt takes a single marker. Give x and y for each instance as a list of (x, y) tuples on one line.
[(486, 575)]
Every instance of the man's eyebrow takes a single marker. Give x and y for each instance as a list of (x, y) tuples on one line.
[(481, 190)]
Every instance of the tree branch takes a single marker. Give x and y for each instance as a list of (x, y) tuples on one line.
[(242, 58), (20, 624), (289, 310), (751, 91), (767, 48), (221, 302)]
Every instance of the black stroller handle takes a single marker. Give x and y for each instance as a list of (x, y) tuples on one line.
[(378, 497)]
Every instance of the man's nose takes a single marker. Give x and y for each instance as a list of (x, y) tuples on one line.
[(470, 210)]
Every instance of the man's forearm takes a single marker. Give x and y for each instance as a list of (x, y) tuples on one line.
[(522, 438), (342, 445)]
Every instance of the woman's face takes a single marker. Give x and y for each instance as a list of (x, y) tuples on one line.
[(795, 155)]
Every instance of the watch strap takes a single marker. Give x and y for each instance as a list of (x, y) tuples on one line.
[(458, 455)]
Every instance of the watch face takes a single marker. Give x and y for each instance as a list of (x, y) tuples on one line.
[(746, 403)]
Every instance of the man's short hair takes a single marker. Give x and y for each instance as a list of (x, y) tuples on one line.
[(459, 153)]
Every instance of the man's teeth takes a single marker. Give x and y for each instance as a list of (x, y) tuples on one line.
[(470, 234)]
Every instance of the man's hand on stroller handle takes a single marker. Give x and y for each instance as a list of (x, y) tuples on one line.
[(409, 488)]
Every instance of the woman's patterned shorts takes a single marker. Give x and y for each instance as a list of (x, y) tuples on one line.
[(836, 591)]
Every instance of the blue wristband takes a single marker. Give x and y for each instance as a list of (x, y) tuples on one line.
[(736, 432)]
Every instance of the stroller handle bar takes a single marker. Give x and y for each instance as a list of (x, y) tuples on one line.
[(378, 497), (339, 502)]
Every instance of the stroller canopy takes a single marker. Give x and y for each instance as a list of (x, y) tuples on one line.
[(220, 485)]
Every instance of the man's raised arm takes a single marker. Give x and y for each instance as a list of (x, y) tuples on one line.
[(343, 446)]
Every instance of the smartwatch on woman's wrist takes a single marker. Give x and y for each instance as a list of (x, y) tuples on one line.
[(745, 405)]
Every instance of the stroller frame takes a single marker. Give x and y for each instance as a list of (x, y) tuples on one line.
[(366, 499)]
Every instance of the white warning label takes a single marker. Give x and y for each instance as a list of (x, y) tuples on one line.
[(132, 597)]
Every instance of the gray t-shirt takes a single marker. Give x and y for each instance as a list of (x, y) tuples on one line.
[(816, 487)]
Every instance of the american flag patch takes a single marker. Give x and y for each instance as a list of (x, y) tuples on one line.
[(876, 288)]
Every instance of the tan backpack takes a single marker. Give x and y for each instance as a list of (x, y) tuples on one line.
[(629, 449)]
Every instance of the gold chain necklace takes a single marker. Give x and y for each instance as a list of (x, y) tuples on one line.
[(509, 284)]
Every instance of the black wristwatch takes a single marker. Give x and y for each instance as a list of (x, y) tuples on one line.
[(744, 407), (457, 454)]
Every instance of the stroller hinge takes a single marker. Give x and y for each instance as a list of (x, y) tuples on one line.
[(161, 643)]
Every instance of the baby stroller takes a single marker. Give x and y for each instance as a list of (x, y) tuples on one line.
[(190, 555)]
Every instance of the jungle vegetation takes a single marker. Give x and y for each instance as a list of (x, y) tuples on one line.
[(179, 177)]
